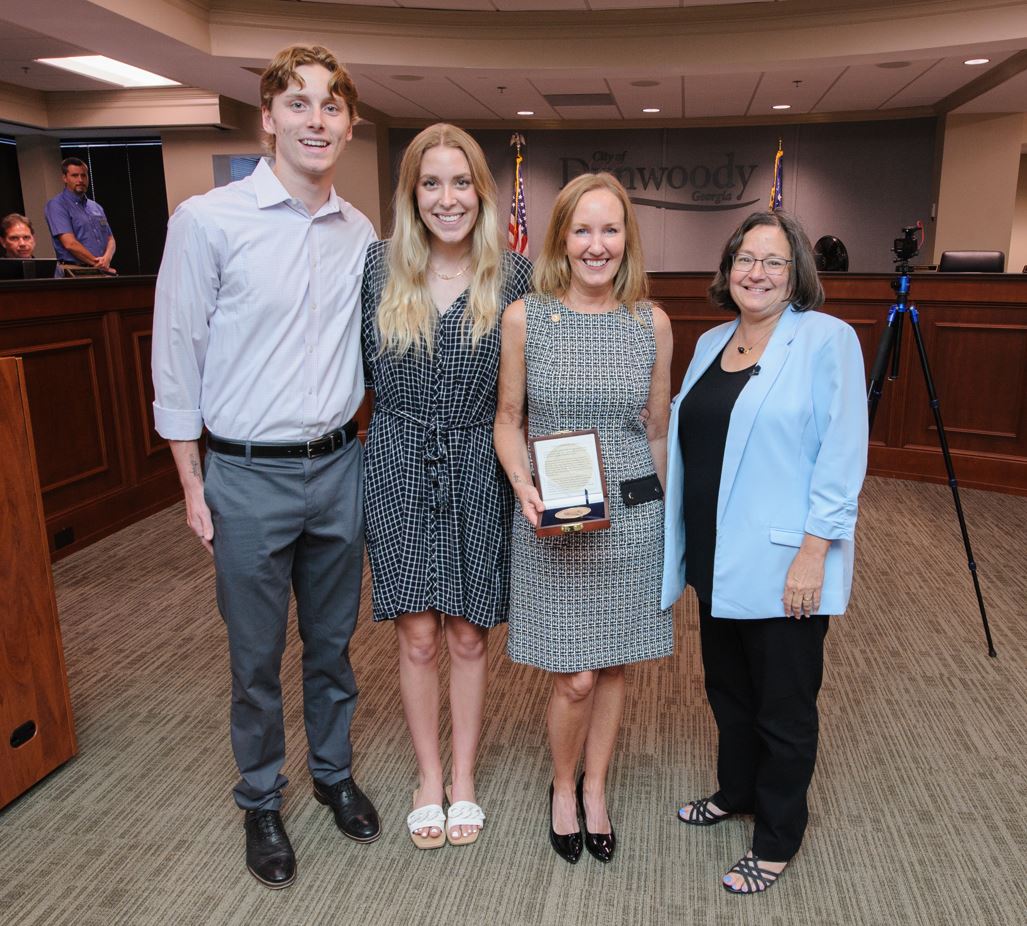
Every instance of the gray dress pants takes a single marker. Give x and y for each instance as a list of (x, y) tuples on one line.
[(281, 524)]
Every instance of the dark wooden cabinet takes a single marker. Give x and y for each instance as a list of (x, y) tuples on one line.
[(86, 350), (85, 345), (975, 333), (36, 729)]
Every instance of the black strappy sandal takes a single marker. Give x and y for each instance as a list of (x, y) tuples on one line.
[(757, 879), (701, 815)]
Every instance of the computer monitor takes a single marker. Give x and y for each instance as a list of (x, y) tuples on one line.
[(36, 268)]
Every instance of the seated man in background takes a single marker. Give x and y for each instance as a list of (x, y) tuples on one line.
[(78, 224), (17, 237)]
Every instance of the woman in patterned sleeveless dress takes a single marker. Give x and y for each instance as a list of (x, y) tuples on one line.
[(587, 350), (437, 507)]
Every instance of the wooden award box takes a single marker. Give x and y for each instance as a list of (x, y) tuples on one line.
[(570, 477)]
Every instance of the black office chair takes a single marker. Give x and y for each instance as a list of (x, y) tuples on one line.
[(972, 262), (830, 254)]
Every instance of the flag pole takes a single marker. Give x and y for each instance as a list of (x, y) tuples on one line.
[(517, 236)]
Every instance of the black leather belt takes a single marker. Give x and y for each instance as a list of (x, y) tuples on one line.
[(309, 450)]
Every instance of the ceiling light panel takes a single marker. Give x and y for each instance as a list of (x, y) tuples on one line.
[(472, 5), (664, 96), (391, 99), (513, 6), (564, 83), (713, 95), (869, 87), (637, 4), (936, 83), (110, 71), (779, 87)]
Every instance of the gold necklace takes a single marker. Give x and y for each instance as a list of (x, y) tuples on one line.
[(749, 350), (454, 276)]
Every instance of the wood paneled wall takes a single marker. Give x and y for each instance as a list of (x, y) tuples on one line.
[(85, 345), (86, 350), (974, 328)]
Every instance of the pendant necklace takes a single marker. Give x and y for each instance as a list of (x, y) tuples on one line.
[(453, 276), (749, 350)]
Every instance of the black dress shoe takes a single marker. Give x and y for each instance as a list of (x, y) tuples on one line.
[(567, 847), (354, 813), (269, 855), (599, 845)]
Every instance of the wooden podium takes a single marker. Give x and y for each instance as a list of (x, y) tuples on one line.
[(37, 733)]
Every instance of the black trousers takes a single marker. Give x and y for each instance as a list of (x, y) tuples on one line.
[(762, 681)]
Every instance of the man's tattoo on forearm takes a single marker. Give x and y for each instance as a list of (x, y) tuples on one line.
[(194, 467)]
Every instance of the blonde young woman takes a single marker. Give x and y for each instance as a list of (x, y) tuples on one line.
[(587, 350), (437, 507)]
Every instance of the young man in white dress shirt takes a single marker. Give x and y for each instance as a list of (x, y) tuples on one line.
[(257, 337)]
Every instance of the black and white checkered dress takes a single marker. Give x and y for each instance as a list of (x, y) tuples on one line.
[(587, 601), (436, 502)]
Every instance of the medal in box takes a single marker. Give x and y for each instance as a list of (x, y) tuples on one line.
[(570, 478)]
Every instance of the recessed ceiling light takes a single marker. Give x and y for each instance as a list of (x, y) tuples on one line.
[(650, 109), (645, 83), (781, 106), (525, 112), (973, 61), (407, 77), (100, 67)]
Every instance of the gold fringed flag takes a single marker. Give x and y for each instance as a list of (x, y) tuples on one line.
[(517, 230), (777, 190)]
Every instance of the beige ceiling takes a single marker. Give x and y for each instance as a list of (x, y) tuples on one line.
[(480, 61)]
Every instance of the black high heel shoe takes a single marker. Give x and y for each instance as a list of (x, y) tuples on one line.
[(600, 845), (567, 847)]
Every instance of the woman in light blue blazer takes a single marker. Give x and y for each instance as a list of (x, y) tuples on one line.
[(767, 450)]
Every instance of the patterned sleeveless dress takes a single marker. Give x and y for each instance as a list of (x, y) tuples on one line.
[(437, 505), (587, 601)]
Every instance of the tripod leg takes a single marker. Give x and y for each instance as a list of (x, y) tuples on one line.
[(884, 350), (932, 396)]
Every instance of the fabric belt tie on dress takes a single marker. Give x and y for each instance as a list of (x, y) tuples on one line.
[(436, 460), (308, 450)]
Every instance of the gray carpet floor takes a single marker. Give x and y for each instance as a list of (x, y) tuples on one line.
[(917, 804)]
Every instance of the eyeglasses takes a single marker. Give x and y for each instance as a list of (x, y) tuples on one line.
[(772, 266)]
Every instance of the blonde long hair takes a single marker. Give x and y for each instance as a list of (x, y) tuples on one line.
[(553, 269), (406, 314)]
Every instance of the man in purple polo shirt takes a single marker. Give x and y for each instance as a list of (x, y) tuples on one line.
[(78, 224)]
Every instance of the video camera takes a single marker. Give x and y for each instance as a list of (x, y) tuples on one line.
[(907, 247)]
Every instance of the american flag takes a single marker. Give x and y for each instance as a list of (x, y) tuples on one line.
[(777, 190), (517, 230)]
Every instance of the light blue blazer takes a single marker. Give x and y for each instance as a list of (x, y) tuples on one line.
[(794, 462)]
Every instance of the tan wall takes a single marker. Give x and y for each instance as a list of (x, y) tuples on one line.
[(189, 157), (356, 176), (39, 164), (1018, 241), (979, 170), (189, 161)]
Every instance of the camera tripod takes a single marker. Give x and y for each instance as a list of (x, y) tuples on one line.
[(890, 346)]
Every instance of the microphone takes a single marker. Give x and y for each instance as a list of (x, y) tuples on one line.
[(755, 370)]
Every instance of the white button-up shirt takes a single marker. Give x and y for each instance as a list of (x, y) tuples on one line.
[(256, 328)]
